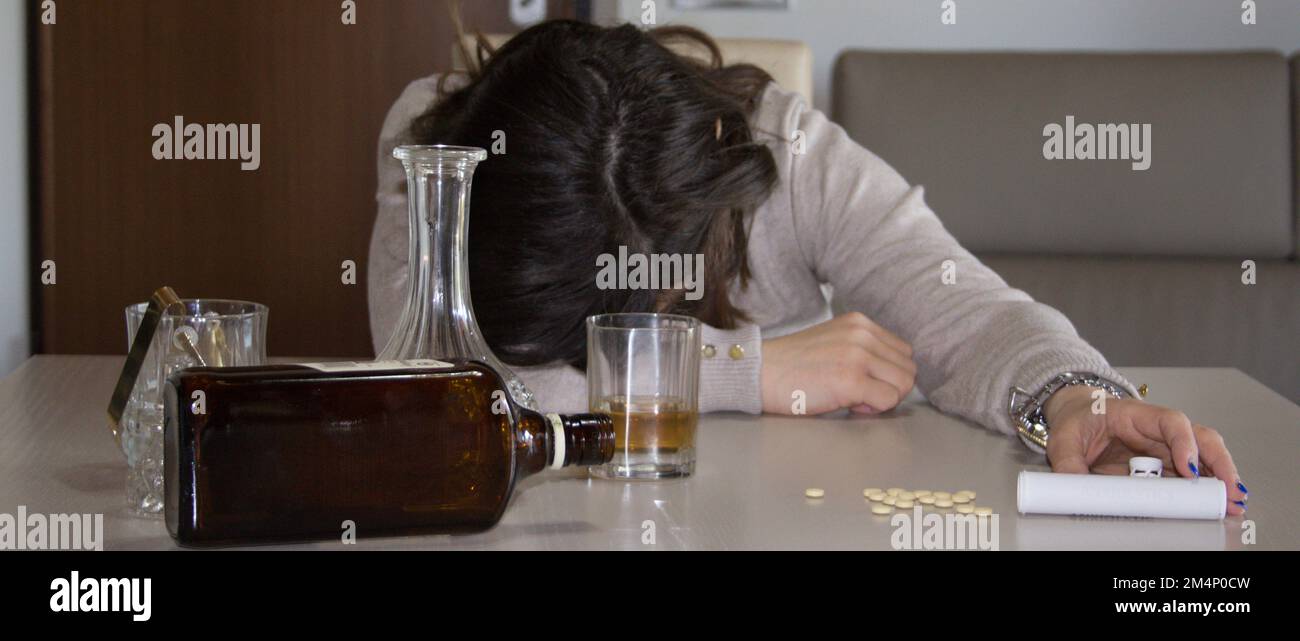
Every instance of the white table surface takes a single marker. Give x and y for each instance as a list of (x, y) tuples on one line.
[(57, 456)]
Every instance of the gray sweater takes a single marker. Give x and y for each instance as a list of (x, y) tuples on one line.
[(839, 216)]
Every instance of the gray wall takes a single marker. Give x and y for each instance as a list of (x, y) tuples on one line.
[(829, 26), (14, 330)]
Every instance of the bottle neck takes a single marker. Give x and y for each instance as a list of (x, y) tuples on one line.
[(554, 441)]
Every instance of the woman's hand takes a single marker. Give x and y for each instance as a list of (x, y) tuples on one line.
[(848, 361), (1083, 441)]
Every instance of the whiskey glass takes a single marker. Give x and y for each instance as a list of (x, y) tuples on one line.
[(224, 333), (644, 371)]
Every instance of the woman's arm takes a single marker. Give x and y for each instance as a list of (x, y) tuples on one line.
[(862, 228)]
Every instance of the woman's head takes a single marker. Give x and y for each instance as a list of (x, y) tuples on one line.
[(610, 140)]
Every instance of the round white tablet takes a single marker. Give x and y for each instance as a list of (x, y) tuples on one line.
[(869, 491), (926, 500), (965, 509), (942, 503), (814, 492), (878, 496), (881, 509), (903, 504)]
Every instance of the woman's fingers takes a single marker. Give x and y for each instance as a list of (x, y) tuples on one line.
[(1218, 462), (856, 319), (891, 339), (871, 396), (896, 358), (1195, 450), (869, 375), (885, 360), (857, 388), (1174, 431), (1072, 463), (1067, 452), (885, 370), (846, 362)]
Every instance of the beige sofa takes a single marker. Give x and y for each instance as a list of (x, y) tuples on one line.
[(1147, 263)]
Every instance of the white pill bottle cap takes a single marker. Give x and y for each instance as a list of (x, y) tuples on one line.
[(1145, 466)]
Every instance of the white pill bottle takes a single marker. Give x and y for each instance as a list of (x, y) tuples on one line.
[(1142, 494)]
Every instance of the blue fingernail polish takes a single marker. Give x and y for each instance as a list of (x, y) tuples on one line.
[(1242, 504), (1242, 488), (1195, 472)]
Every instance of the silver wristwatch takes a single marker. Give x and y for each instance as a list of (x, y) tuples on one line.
[(1026, 408)]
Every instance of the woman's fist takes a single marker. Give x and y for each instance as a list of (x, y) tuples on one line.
[(846, 362)]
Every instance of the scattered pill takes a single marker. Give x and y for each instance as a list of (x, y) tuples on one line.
[(814, 492), (896, 497)]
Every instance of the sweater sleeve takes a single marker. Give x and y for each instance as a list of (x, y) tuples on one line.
[(864, 230), (729, 369)]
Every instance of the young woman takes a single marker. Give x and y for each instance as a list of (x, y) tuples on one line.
[(614, 141)]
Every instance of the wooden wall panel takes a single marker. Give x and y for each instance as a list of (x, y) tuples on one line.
[(119, 223)]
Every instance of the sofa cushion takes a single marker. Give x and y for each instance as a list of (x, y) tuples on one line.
[(970, 127), (1295, 140), (1174, 312)]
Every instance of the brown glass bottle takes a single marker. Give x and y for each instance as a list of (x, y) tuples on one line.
[(292, 452)]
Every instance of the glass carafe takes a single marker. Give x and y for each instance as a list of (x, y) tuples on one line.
[(438, 321)]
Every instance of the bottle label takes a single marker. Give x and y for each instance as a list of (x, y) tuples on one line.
[(370, 366), (557, 437)]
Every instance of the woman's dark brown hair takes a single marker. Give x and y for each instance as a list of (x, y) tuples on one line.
[(611, 140)]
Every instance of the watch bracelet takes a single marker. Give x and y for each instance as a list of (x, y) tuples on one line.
[(1027, 414)]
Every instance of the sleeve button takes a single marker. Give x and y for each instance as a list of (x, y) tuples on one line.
[(709, 351), (736, 352)]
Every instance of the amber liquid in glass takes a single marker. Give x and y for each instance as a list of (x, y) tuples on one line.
[(651, 425)]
